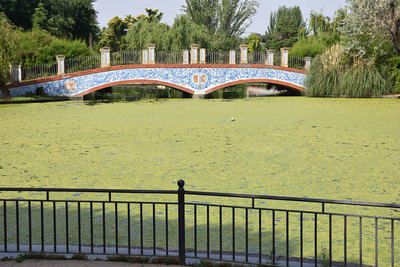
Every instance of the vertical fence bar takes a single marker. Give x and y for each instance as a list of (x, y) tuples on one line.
[(376, 243), (273, 238), (220, 233), (17, 222), (154, 229), (301, 239), (30, 224), (330, 239), (233, 234), (345, 240), (166, 230), (316, 239), (208, 231), (361, 241), (141, 228), (55, 226), (91, 228), (79, 228), (181, 221), (195, 230), (129, 227), (247, 234), (259, 236), (42, 225), (104, 227), (392, 240), (287, 239), (116, 228), (66, 227), (5, 225)]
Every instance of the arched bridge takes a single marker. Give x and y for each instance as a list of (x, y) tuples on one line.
[(194, 76)]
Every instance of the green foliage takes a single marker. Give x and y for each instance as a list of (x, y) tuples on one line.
[(254, 42), (226, 17), (41, 47), (285, 27), (143, 33), (8, 48), (395, 73), (74, 19), (185, 32), (308, 47)]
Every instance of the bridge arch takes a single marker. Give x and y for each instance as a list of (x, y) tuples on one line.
[(136, 81), (259, 80)]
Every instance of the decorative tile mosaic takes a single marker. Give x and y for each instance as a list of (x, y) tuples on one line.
[(196, 79)]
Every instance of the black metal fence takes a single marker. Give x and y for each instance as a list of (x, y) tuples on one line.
[(199, 225)]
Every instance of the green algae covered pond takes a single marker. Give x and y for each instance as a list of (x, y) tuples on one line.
[(346, 149)]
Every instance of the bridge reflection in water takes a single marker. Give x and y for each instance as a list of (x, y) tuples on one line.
[(197, 72)]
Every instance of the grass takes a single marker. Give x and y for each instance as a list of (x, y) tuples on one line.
[(325, 148)]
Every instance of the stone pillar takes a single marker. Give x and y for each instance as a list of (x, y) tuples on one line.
[(199, 96), (194, 54), (270, 57), (152, 54), (243, 54), (60, 64), (232, 57), (145, 56), (186, 56), (15, 73), (105, 57), (307, 64), (285, 57), (203, 56)]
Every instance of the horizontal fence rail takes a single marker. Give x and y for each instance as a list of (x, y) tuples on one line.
[(38, 71), (239, 228)]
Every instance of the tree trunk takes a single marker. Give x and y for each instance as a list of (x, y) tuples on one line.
[(4, 90)]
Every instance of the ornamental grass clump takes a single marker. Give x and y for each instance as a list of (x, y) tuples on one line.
[(335, 74)]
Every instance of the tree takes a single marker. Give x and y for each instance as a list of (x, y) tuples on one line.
[(113, 35), (285, 27), (254, 42), (227, 17), (185, 32), (19, 12), (39, 18), (203, 12), (370, 26), (8, 48), (144, 32)]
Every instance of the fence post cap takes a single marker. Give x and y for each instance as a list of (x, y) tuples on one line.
[(271, 50), (308, 58), (243, 46), (60, 57), (151, 46), (181, 184), (106, 48), (285, 49), (194, 46)]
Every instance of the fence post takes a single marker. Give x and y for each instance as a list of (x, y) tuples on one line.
[(203, 56), (152, 53), (307, 63), (145, 56), (105, 57), (60, 64), (243, 54), (181, 221), (15, 73), (232, 57), (194, 54), (285, 57), (185, 56), (270, 57)]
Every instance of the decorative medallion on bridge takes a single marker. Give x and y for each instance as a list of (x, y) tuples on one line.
[(200, 78), (70, 86)]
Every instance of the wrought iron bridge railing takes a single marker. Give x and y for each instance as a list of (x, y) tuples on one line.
[(239, 228)]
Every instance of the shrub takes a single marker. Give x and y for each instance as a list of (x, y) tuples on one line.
[(309, 47), (332, 76)]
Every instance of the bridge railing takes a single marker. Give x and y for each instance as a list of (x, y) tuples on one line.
[(152, 56), (239, 228)]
